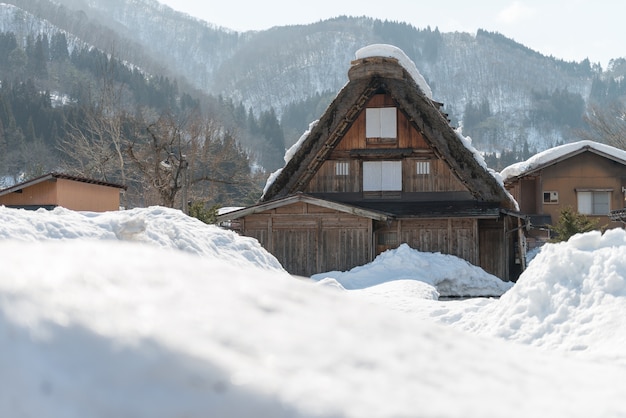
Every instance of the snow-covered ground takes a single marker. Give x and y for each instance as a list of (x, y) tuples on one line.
[(149, 313)]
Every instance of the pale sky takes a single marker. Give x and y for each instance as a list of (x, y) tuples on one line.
[(566, 29)]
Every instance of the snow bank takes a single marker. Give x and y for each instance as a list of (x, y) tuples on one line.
[(555, 153), (155, 332), (450, 275), (390, 51), (148, 313), (158, 226), (571, 298)]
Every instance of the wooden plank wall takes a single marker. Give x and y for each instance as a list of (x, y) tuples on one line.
[(309, 239), (448, 236), (493, 248), (440, 179), (326, 180), (326, 240), (408, 136)]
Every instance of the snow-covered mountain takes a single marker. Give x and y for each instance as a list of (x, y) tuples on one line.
[(283, 65)]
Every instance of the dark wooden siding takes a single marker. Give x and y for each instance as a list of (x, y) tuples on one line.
[(452, 236), (327, 181), (494, 257), (309, 239), (457, 237), (408, 136), (440, 179)]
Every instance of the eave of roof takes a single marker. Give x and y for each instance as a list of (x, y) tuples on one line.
[(587, 147), (378, 215), (434, 209), (53, 176)]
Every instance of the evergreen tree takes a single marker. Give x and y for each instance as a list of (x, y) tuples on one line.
[(571, 223), (58, 47), (273, 145)]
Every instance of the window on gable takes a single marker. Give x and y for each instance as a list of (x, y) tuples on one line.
[(381, 122), (592, 202), (423, 168), (382, 176), (342, 168)]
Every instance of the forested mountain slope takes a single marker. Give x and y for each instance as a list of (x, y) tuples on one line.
[(506, 96)]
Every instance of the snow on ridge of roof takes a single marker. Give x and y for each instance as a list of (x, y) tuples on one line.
[(289, 153), (467, 142), (294, 148), (551, 154), (390, 51)]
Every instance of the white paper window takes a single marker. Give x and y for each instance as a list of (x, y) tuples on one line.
[(381, 122), (423, 167), (382, 176), (594, 203), (342, 168)]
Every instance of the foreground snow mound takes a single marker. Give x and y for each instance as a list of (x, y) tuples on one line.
[(571, 298), (450, 275), (160, 226), (113, 329)]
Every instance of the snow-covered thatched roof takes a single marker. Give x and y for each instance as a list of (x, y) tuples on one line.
[(386, 69)]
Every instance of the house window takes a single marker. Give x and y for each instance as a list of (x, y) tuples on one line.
[(551, 197), (594, 202), (381, 122), (423, 168), (342, 168), (382, 176)]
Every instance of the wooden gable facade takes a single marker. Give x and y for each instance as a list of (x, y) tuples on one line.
[(585, 176), (380, 168)]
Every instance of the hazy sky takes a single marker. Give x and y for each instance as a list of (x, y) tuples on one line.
[(567, 29)]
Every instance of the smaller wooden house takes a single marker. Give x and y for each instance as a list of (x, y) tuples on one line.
[(586, 176), (382, 167), (71, 192)]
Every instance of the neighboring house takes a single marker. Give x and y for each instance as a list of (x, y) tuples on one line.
[(586, 176), (380, 168), (71, 192)]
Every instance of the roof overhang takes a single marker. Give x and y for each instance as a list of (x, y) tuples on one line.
[(563, 157), (303, 198), (384, 210)]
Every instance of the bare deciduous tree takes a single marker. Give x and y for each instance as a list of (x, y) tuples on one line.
[(606, 125), (186, 159), (161, 159), (95, 148)]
